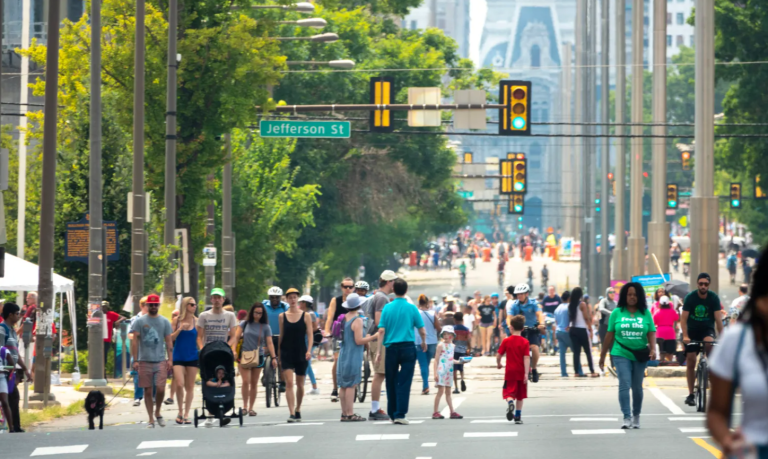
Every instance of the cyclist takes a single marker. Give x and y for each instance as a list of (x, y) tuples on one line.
[(472, 256), (534, 321), (274, 306), (361, 288), (686, 257), (702, 317), (545, 277), (335, 309), (502, 264)]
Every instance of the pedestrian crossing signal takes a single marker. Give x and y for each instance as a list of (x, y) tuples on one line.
[(381, 94), (735, 196), (514, 118), (672, 196), (759, 192), (517, 204)]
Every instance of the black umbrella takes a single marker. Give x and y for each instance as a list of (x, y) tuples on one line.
[(677, 287), (750, 253)]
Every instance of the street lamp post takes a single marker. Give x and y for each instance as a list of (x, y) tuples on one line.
[(319, 38), (137, 223), (337, 64), (636, 242), (315, 23), (170, 147), (300, 7)]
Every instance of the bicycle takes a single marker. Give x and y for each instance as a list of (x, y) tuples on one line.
[(361, 390), (501, 279), (269, 381), (525, 333), (701, 384)]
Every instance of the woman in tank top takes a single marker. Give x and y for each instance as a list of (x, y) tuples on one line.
[(580, 331), (257, 336), (185, 357), (295, 324)]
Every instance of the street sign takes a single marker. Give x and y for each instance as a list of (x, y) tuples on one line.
[(305, 129), (651, 282), (466, 194), (76, 242)]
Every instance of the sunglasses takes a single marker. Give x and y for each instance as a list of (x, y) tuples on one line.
[(258, 311), (191, 304), (704, 284), (347, 286)]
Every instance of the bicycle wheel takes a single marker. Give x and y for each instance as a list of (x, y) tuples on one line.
[(268, 388), (703, 386), (275, 390), (697, 389), (362, 387)]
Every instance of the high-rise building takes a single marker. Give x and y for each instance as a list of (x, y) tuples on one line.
[(450, 16), (679, 32)]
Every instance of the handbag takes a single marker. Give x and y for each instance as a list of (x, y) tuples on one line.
[(250, 359), (642, 355)]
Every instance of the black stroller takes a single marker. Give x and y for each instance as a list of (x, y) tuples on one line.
[(218, 400)]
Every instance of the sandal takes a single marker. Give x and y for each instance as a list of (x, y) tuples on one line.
[(437, 415), (425, 391), (179, 420), (355, 418), (187, 421), (252, 413), (344, 418)]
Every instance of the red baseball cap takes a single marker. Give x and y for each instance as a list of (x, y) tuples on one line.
[(153, 299)]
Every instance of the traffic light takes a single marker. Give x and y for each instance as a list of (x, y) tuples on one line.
[(685, 157), (505, 181), (735, 195), (381, 94), (519, 168), (517, 205), (597, 204), (467, 157), (672, 201), (613, 183), (759, 193), (514, 118), (520, 223)]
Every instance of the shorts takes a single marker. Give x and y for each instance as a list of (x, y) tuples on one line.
[(372, 348), (188, 363), (486, 325), (698, 335), (295, 363), (533, 337), (667, 346), (517, 390), (3, 384), (152, 374), (458, 363), (336, 345)]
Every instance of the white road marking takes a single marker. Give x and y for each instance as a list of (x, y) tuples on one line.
[(428, 445), (147, 454), (693, 429), (597, 432), (489, 434), (164, 444), (382, 437), (265, 440), (666, 401), (689, 418), (302, 424), (594, 419), (489, 421), (390, 422), (456, 402), (423, 458), (51, 450)]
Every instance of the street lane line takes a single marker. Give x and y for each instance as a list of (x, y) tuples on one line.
[(428, 445), (693, 429), (712, 450), (164, 444), (456, 402), (594, 419), (598, 432), (390, 422), (51, 450), (376, 437), (490, 421), (302, 424), (265, 440), (147, 454), (661, 397), (489, 434), (689, 418)]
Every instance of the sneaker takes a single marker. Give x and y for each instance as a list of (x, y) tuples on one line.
[(314, 392), (282, 387), (168, 401), (402, 421), (292, 419), (151, 425), (463, 386), (437, 415), (160, 421), (298, 416), (225, 421), (635, 422), (335, 396), (690, 401), (518, 420), (136, 402), (378, 416), (208, 422), (535, 375), (511, 411), (456, 415), (612, 371), (456, 391), (627, 423)]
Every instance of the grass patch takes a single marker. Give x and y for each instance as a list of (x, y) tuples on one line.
[(30, 417), (122, 393)]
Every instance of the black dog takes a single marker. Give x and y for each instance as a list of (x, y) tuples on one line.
[(94, 406)]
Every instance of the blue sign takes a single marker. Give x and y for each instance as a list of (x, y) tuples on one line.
[(651, 279)]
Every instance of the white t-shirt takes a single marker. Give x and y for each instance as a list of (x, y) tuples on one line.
[(753, 380), (469, 320)]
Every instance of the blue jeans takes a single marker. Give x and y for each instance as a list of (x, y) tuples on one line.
[(399, 364), (424, 358), (631, 375), (311, 372), (563, 342)]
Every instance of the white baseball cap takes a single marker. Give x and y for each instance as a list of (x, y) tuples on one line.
[(306, 299), (448, 329), (664, 300), (388, 275)]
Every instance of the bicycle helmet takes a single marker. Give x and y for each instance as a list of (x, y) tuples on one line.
[(522, 288), (363, 285), (275, 291)]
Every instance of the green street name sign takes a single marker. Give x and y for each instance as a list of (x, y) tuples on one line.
[(305, 129)]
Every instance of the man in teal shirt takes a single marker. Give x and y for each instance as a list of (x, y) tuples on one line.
[(398, 319)]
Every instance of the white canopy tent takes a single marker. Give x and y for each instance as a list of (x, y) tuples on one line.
[(22, 275)]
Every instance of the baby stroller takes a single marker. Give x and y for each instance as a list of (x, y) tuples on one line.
[(218, 400)]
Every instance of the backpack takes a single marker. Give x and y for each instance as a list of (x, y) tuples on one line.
[(337, 329), (732, 261)]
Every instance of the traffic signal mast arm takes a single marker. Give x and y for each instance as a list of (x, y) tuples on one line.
[(393, 107)]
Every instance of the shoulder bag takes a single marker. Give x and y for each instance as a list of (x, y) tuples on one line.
[(250, 359)]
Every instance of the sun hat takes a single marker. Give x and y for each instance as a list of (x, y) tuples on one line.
[(353, 302), (291, 290), (448, 329)]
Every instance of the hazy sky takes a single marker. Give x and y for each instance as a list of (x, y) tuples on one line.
[(477, 12)]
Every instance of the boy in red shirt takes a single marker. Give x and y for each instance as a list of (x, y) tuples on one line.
[(518, 364)]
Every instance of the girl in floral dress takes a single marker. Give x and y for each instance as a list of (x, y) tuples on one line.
[(444, 372)]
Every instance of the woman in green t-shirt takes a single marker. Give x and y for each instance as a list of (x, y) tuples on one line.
[(630, 331)]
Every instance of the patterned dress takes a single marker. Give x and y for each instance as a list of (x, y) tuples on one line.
[(445, 366)]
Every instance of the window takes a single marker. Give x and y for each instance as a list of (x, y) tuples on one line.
[(413, 25), (544, 115), (669, 18), (535, 56), (679, 40), (535, 150), (669, 40), (535, 164), (680, 19), (645, 20), (691, 41)]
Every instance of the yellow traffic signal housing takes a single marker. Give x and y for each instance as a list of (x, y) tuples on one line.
[(735, 201), (517, 204), (468, 157), (520, 177), (515, 117), (505, 179), (759, 192), (685, 157), (381, 94), (672, 196)]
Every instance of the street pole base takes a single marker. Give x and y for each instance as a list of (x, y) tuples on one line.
[(39, 405), (658, 244), (95, 383), (41, 397), (106, 390), (635, 257)]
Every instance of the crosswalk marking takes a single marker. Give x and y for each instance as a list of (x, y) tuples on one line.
[(382, 437), (597, 432), (693, 429), (380, 423), (151, 453), (302, 424), (428, 445), (265, 440), (489, 421), (164, 444), (594, 419), (489, 434), (689, 418), (666, 401), (51, 450)]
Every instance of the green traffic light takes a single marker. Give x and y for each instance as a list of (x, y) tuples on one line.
[(597, 201), (520, 226), (519, 186), (519, 219), (736, 203), (518, 208), (672, 204), (597, 209), (518, 123)]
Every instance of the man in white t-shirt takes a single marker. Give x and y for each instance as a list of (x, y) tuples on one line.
[(738, 304), (216, 324)]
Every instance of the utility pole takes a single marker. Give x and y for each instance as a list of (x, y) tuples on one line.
[(48, 201), (658, 228), (169, 291), (704, 205), (210, 233), (605, 251), (21, 219), (567, 161), (619, 253), (578, 114), (587, 240), (137, 224), (636, 243), (227, 264)]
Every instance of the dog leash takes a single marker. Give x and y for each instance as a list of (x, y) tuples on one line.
[(118, 392)]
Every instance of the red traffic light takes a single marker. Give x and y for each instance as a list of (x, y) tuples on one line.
[(610, 175)]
